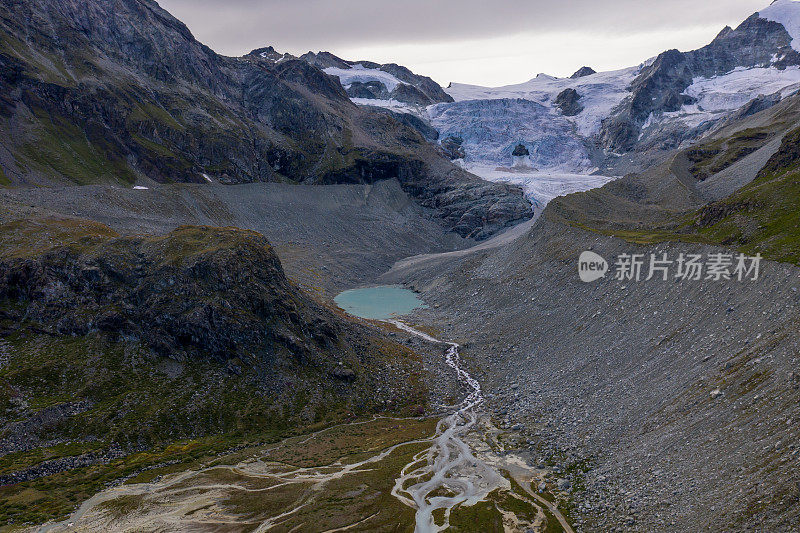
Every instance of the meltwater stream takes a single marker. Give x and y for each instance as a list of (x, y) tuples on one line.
[(447, 474)]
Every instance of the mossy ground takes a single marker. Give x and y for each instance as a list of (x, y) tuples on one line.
[(715, 156), (61, 148), (136, 402)]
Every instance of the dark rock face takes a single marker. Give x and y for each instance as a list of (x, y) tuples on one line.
[(270, 54), (472, 207), (196, 292), (323, 60), (658, 87), (374, 90), (787, 156), (583, 71), (424, 84), (412, 121), (302, 74), (111, 90), (520, 151), (423, 90), (567, 101), (410, 95), (452, 146)]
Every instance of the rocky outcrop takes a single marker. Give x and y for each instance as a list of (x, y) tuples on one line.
[(412, 121), (410, 95), (568, 102), (452, 146), (132, 344), (424, 84), (520, 151), (270, 54), (323, 60), (373, 90), (198, 292), (472, 207)]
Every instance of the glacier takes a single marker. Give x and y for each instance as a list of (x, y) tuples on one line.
[(491, 129), (600, 94), (717, 96), (539, 187), (564, 150)]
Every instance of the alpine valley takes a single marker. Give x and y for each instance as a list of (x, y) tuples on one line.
[(207, 265)]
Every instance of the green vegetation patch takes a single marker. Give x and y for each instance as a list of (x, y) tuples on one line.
[(483, 516), (61, 147), (762, 217), (716, 156), (32, 237), (129, 398), (4, 180)]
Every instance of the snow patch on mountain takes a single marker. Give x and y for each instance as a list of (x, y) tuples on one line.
[(787, 13), (392, 105), (360, 73), (728, 92)]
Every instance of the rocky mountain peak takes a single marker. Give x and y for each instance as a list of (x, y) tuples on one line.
[(583, 71), (763, 40), (381, 82)]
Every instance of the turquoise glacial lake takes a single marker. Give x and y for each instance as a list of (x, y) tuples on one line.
[(379, 303)]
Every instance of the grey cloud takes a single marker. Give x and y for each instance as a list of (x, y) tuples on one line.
[(236, 26)]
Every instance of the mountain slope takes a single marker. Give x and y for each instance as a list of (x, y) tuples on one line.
[(367, 80), (125, 353), (119, 91), (736, 188), (661, 87)]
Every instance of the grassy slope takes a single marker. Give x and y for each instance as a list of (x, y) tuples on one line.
[(762, 217)]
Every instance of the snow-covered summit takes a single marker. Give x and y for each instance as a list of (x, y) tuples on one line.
[(786, 13)]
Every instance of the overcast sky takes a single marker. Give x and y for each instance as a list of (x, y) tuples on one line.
[(469, 41)]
